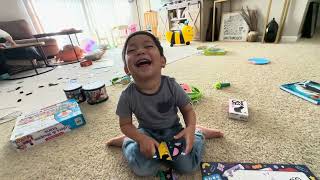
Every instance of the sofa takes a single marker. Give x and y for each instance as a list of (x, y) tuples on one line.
[(21, 33)]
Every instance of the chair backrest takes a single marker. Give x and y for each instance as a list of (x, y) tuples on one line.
[(151, 20), (18, 29)]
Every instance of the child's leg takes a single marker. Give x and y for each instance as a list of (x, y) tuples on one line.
[(209, 133), (191, 162), (139, 164), (116, 141)]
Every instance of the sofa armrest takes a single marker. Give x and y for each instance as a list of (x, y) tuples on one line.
[(50, 47), (23, 41), (47, 41)]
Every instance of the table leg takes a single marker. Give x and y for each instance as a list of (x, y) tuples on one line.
[(34, 67), (74, 50), (44, 56), (77, 38), (45, 59)]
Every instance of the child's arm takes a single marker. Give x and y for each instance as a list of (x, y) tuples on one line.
[(147, 144), (11, 41), (189, 117)]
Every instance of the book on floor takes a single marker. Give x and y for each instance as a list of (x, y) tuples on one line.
[(254, 171), (308, 90)]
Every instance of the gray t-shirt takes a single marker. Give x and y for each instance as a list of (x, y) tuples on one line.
[(154, 111)]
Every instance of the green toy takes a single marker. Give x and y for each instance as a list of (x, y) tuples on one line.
[(202, 47), (121, 80), (161, 175), (195, 94), (214, 51), (167, 175), (220, 85)]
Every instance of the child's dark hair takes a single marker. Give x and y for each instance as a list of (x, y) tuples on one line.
[(155, 40)]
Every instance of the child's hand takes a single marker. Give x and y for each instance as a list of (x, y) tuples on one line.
[(148, 146), (188, 134)]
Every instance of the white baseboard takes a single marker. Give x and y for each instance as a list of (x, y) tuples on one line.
[(289, 38), (286, 39)]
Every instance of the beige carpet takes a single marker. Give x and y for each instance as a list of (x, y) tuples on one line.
[(282, 128)]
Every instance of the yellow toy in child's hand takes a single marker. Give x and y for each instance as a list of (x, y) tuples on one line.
[(164, 151), (184, 36)]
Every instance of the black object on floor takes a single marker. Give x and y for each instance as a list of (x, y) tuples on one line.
[(40, 86), (310, 21), (21, 92), (271, 31), (29, 94), (19, 100), (18, 88), (53, 84)]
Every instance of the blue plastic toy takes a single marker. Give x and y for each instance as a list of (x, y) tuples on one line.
[(259, 61)]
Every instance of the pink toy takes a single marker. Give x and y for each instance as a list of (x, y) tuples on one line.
[(132, 28)]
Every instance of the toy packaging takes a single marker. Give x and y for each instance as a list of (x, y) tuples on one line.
[(46, 124), (254, 171), (238, 109)]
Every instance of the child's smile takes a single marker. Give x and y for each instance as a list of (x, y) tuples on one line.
[(143, 63), (143, 58)]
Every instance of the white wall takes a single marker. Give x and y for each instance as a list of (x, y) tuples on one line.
[(294, 18), (13, 10)]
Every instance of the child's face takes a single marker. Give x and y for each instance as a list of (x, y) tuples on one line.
[(143, 58)]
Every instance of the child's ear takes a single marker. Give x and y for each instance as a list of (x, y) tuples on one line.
[(163, 61), (126, 70)]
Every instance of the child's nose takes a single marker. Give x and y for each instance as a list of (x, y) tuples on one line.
[(140, 51)]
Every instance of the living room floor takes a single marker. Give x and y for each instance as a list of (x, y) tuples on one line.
[(282, 128)]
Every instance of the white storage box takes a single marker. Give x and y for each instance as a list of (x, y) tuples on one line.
[(238, 109)]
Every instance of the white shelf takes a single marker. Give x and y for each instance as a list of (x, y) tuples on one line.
[(178, 19)]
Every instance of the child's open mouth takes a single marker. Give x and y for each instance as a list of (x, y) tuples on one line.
[(143, 62)]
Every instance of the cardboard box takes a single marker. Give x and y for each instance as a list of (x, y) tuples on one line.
[(46, 124), (238, 109)]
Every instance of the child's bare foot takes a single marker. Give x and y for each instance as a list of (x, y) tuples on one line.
[(210, 133), (116, 141)]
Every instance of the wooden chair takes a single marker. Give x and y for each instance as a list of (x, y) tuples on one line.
[(119, 34), (151, 20)]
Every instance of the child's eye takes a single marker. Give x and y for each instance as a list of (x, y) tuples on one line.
[(130, 50), (149, 46)]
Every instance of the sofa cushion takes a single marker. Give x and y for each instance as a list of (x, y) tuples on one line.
[(18, 29)]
